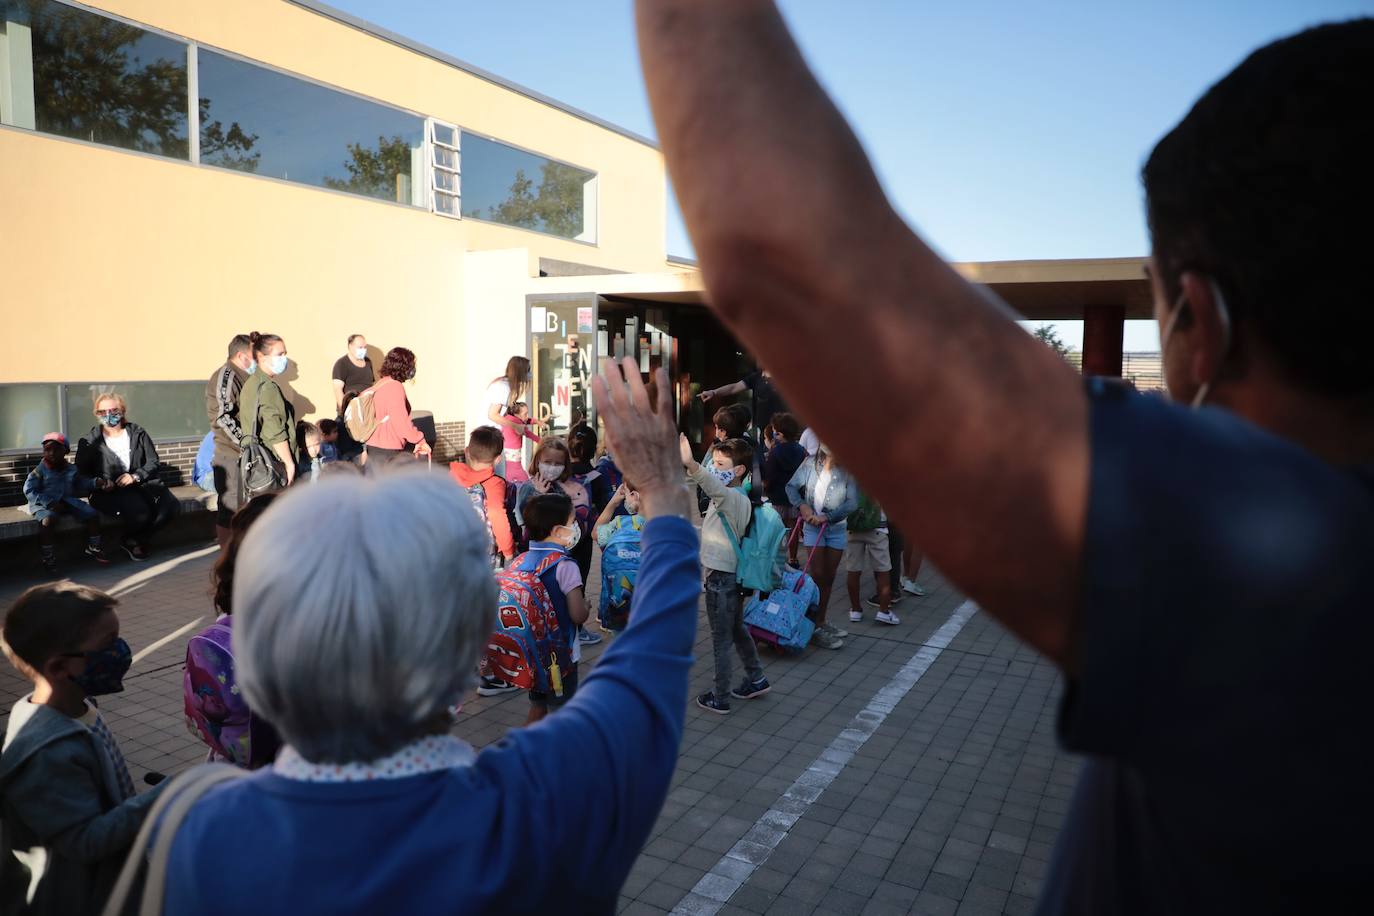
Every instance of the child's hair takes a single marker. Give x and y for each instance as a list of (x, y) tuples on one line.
[(484, 444), (544, 513), (222, 576), (304, 430), (48, 620), (519, 406), (786, 425), (739, 451), (328, 427), (553, 444), (733, 420), (582, 443)]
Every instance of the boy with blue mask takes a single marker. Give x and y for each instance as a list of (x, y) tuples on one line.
[(722, 481), (551, 523), (66, 796)]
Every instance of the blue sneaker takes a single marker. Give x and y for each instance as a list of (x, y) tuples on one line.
[(748, 691), (587, 637)]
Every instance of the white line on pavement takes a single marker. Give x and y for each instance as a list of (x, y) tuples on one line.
[(149, 650), (735, 868), (153, 572)]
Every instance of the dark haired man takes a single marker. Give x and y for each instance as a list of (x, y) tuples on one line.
[(222, 409), (1202, 577), (352, 372)]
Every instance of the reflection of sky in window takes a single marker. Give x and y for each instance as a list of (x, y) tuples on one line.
[(489, 170), (303, 129)]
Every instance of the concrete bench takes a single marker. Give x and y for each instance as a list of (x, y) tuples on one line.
[(16, 524)]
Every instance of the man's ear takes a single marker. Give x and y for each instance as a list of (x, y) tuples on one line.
[(1209, 332)]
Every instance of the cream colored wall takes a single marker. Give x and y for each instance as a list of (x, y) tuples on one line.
[(632, 214), (124, 267), (143, 268), (494, 284)]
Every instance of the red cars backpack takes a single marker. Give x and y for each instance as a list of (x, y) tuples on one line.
[(528, 648)]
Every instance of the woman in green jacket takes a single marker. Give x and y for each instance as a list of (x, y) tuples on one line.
[(263, 409)]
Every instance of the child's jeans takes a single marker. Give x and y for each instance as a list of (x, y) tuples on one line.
[(725, 613), (67, 505)]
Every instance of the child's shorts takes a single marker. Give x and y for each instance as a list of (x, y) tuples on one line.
[(834, 537), (548, 700), (68, 506), (868, 548)]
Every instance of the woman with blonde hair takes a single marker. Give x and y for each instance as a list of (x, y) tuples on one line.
[(122, 459)]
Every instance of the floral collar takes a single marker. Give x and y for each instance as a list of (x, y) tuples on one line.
[(428, 755)]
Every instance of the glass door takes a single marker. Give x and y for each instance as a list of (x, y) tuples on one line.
[(562, 359)]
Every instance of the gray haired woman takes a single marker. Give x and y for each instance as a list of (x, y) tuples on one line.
[(355, 649)]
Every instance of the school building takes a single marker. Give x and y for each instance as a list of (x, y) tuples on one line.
[(174, 172)]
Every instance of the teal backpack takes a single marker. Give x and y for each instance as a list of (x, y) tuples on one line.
[(757, 553)]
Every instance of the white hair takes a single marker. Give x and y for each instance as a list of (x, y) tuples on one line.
[(360, 607)]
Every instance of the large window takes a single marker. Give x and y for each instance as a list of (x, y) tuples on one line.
[(167, 410), (69, 72), (508, 185), (27, 413), (258, 120)]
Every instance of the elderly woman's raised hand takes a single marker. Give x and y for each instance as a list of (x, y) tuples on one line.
[(643, 440)]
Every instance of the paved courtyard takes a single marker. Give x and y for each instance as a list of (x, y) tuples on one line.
[(914, 770)]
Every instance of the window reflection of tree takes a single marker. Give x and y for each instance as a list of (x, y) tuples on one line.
[(555, 208), (91, 81)]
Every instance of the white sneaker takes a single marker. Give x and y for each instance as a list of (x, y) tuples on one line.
[(856, 616), (887, 617), (909, 585)]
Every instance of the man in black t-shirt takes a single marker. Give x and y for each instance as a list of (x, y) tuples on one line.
[(352, 371)]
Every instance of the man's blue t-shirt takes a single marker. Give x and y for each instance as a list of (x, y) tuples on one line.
[(1222, 679)]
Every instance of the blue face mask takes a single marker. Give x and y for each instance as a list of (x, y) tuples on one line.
[(725, 477), (252, 367), (279, 364), (113, 419), (105, 669), (360, 353)]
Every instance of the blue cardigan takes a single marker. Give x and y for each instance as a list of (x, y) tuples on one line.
[(549, 818)]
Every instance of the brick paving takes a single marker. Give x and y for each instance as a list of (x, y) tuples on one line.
[(950, 807)]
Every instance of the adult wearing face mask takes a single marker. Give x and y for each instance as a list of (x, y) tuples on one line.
[(352, 372), (395, 430), (122, 457), (264, 411), (222, 408)]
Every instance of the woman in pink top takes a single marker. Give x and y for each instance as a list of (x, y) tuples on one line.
[(394, 427), (513, 441)]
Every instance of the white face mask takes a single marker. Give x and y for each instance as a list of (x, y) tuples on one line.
[(550, 472), (725, 476), (360, 353), (1223, 313), (632, 505), (574, 537)]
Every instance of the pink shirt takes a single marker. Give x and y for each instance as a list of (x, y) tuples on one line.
[(394, 428)]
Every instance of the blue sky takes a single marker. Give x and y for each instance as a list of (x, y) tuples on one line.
[(1001, 129)]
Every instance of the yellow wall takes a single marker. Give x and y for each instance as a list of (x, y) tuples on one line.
[(143, 268)]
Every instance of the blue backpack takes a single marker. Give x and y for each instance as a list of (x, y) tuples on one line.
[(779, 618), (528, 648), (757, 553), (619, 569)]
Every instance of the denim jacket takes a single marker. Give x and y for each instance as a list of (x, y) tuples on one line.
[(45, 487), (841, 498)]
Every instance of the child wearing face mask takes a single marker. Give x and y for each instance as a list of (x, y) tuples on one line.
[(552, 473), (727, 518), (309, 454), (69, 804), (619, 534), (55, 488), (551, 522)]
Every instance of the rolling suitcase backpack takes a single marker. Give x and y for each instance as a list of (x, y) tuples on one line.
[(779, 620)]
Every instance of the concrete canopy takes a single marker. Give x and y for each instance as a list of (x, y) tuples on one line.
[(1037, 290)]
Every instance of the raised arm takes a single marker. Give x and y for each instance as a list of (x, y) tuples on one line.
[(806, 261), (723, 391)]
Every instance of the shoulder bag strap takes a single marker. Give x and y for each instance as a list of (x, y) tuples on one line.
[(734, 541), (165, 817)]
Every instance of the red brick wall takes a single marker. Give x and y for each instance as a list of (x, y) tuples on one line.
[(177, 460)]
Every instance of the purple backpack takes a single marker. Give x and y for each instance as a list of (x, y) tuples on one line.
[(214, 707)]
